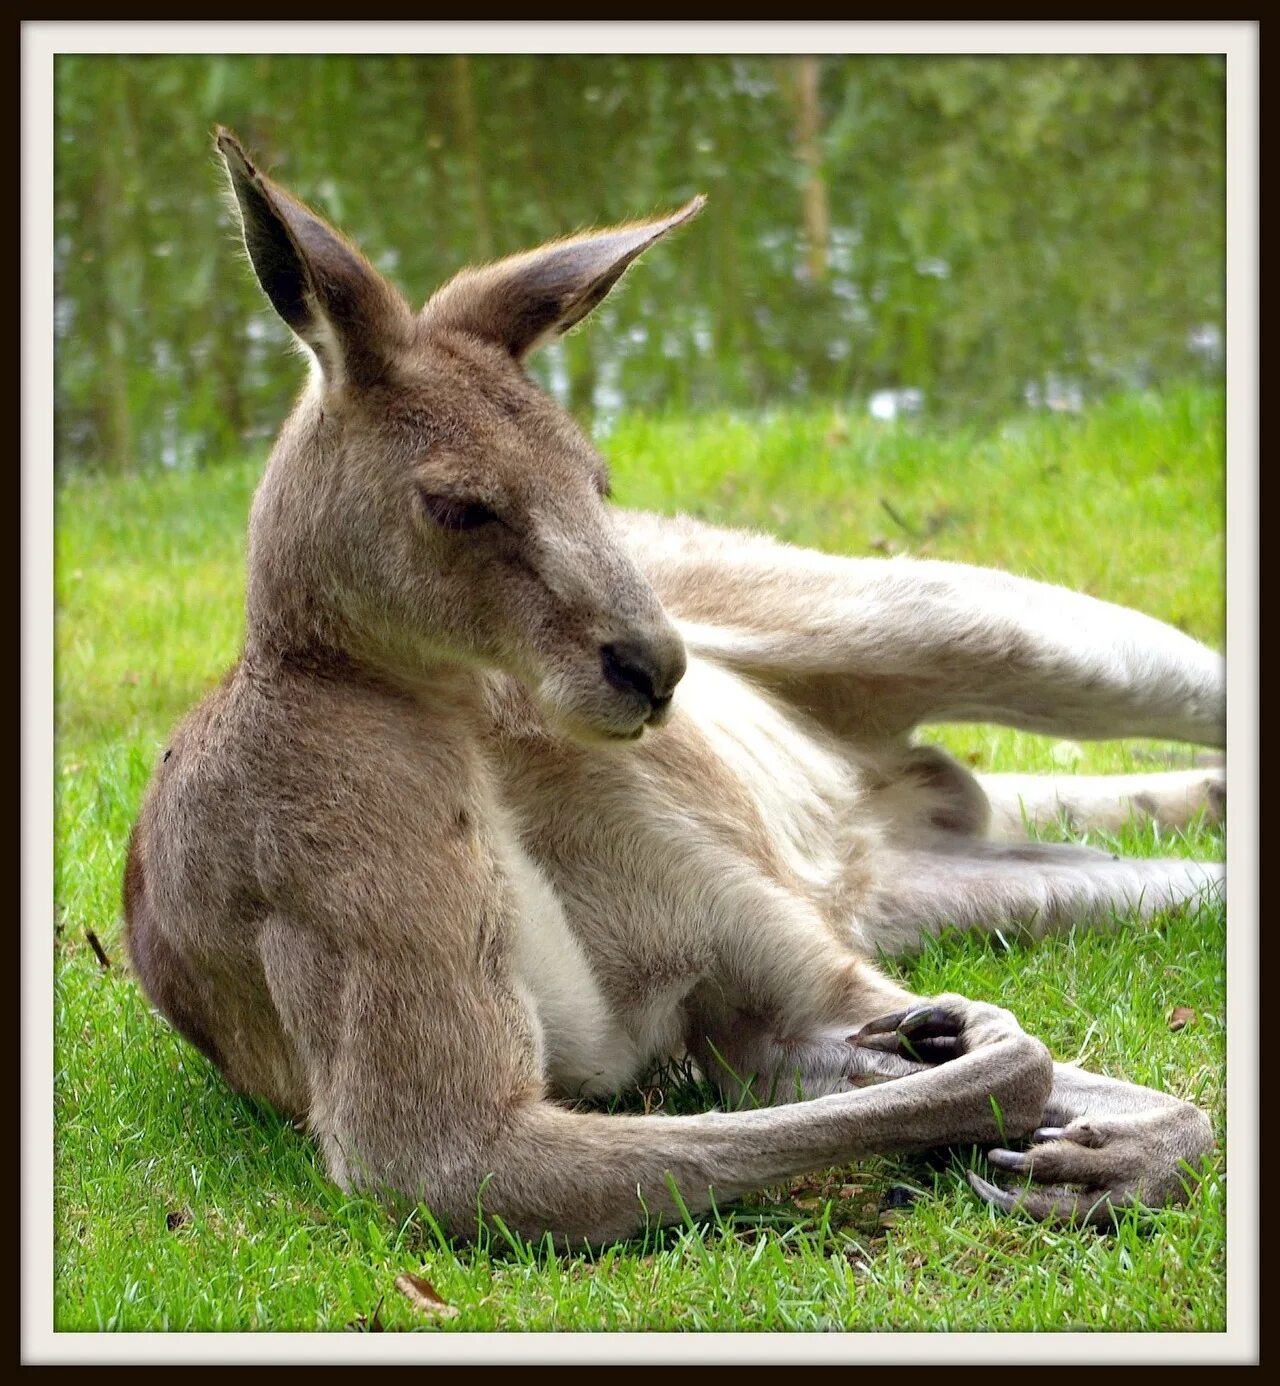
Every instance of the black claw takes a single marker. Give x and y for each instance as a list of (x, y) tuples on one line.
[(930, 1022), (882, 1025), (920, 1016), (921, 1022), (884, 1044), (1009, 1159), (926, 1034)]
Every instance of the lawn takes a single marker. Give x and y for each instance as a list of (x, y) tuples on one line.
[(182, 1206)]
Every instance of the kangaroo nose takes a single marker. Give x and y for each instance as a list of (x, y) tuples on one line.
[(649, 672)]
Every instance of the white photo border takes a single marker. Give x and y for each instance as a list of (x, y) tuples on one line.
[(41, 41)]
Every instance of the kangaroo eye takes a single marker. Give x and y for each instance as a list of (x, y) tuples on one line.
[(450, 513)]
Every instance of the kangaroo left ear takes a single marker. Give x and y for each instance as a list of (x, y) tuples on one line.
[(336, 303), (521, 301)]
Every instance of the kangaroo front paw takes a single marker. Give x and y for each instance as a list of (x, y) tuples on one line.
[(939, 1030), (949, 1027), (1083, 1173)]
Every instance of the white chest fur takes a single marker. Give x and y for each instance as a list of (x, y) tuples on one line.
[(682, 886), (802, 789), (584, 1051)]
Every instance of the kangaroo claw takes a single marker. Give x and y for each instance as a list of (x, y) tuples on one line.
[(1060, 1207), (990, 1194), (921, 1022)]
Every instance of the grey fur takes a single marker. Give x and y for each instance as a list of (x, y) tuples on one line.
[(437, 857)]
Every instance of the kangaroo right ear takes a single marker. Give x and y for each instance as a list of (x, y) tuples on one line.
[(336, 303), (528, 298)]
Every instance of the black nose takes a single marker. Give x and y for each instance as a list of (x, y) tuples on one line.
[(633, 669)]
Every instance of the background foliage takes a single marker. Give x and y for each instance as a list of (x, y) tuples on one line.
[(988, 231), (996, 241)]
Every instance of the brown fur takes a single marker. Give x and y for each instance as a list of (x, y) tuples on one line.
[(441, 852)]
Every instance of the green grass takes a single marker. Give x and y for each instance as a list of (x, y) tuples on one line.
[(181, 1206)]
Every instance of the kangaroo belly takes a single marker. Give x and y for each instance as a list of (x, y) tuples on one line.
[(586, 1052)]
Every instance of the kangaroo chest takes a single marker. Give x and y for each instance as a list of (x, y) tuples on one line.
[(639, 867)]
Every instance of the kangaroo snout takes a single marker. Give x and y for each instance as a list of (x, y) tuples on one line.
[(650, 669)]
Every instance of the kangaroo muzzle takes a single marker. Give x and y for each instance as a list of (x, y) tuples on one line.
[(648, 670)]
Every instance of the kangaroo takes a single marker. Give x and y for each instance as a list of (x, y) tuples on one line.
[(512, 794)]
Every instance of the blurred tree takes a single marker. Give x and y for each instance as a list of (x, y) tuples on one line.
[(816, 219), (987, 230)]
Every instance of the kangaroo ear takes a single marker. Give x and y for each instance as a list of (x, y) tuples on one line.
[(337, 304), (521, 301)]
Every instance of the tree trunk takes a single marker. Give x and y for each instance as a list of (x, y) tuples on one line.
[(469, 148), (805, 74)]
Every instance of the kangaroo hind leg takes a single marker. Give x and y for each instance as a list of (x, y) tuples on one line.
[(1172, 799), (1029, 888)]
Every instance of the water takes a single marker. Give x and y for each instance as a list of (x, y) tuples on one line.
[(926, 235)]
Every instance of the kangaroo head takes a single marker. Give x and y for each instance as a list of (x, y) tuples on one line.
[(426, 503)]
